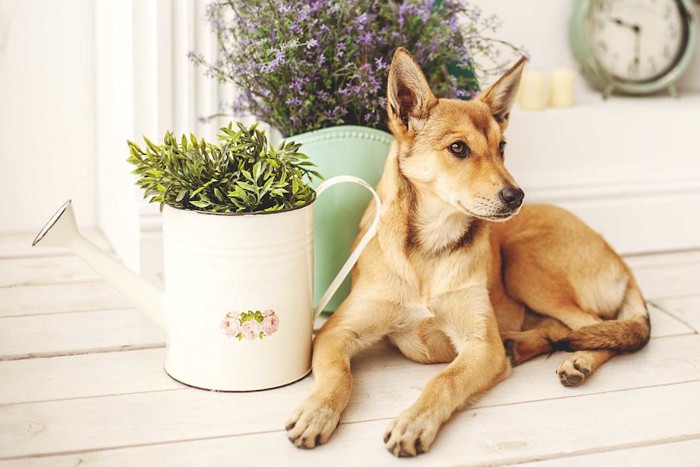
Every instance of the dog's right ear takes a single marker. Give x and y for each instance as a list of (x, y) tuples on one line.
[(409, 98)]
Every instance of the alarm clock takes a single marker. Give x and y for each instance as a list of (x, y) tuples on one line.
[(633, 46)]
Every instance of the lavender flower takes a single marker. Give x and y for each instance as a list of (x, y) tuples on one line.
[(302, 66)]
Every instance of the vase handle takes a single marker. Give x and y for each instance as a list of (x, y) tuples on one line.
[(355, 255)]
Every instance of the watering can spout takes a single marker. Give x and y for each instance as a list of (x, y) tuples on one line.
[(62, 231)]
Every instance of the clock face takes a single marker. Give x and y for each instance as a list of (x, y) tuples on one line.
[(637, 41)]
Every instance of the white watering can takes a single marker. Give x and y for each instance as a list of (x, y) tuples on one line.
[(238, 294)]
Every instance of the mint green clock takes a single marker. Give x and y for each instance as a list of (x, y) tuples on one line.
[(633, 46)]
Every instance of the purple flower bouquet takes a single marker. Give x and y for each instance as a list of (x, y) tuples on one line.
[(307, 65)]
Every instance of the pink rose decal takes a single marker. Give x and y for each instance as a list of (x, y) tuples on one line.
[(230, 326), (269, 324), (249, 329), (250, 325)]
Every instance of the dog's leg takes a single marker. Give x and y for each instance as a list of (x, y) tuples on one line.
[(355, 326), (576, 368), (479, 365), (573, 370), (536, 338)]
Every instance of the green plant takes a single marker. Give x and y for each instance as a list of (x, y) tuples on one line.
[(243, 174)]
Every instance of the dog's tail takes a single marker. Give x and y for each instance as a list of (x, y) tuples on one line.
[(628, 333)]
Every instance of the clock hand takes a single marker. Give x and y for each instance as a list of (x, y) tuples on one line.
[(625, 24), (637, 45), (636, 29)]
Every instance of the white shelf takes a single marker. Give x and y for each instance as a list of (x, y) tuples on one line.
[(622, 140), (618, 163)]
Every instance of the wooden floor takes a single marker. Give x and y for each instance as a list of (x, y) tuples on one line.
[(82, 382)]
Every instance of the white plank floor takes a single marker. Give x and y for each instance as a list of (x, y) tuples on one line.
[(81, 382)]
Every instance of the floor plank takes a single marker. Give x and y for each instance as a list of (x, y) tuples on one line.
[(75, 333), (45, 270), (90, 375), (669, 281), (685, 309), (385, 384), (653, 260), (489, 435), (19, 245), (663, 361), (665, 324), (679, 453), (59, 298)]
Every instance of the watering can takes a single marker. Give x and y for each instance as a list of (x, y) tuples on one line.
[(238, 302)]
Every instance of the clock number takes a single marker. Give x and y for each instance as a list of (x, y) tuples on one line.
[(633, 68), (667, 51), (653, 66)]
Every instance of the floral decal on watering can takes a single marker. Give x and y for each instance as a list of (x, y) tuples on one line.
[(250, 325)]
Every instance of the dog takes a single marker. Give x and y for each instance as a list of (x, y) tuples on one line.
[(453, 275)]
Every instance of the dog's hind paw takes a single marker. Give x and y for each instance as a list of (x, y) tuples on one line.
[(574, 370), (408, 435), (311, 425)]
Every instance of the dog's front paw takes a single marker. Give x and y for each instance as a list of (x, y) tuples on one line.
[(409, 435), (312, 424)]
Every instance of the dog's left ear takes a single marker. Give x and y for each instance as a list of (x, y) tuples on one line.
[(501, 95), (409, 98)]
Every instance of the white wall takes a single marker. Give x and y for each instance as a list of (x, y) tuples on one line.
[(47, 108), (145, 85)]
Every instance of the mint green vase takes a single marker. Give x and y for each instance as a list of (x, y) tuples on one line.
[(342, 150)]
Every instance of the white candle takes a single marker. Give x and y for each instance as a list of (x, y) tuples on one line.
[(533, 91), (561, 87)]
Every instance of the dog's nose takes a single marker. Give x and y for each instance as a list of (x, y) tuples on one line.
[(513, 197)]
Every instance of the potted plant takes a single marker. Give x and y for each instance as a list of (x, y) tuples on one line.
[(238, 255), (316, 71)]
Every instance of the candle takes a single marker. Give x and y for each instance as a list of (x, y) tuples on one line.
[(533, 91), (561, 87)]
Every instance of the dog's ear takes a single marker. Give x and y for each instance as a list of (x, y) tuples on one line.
[(409, 98), (501, 95)]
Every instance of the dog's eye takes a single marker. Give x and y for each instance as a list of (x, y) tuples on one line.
[(502, 148), (459, 149)]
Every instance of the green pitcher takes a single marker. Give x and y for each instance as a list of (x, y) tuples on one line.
[(342, 150)]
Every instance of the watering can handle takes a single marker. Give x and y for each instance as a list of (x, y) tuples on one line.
[(355, 255)]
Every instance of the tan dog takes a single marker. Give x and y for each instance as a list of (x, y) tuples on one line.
[(440, 278)]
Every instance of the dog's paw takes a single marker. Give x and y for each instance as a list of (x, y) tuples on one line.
[(574, 370), (311, 424), (409, 435), (510, 346)]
